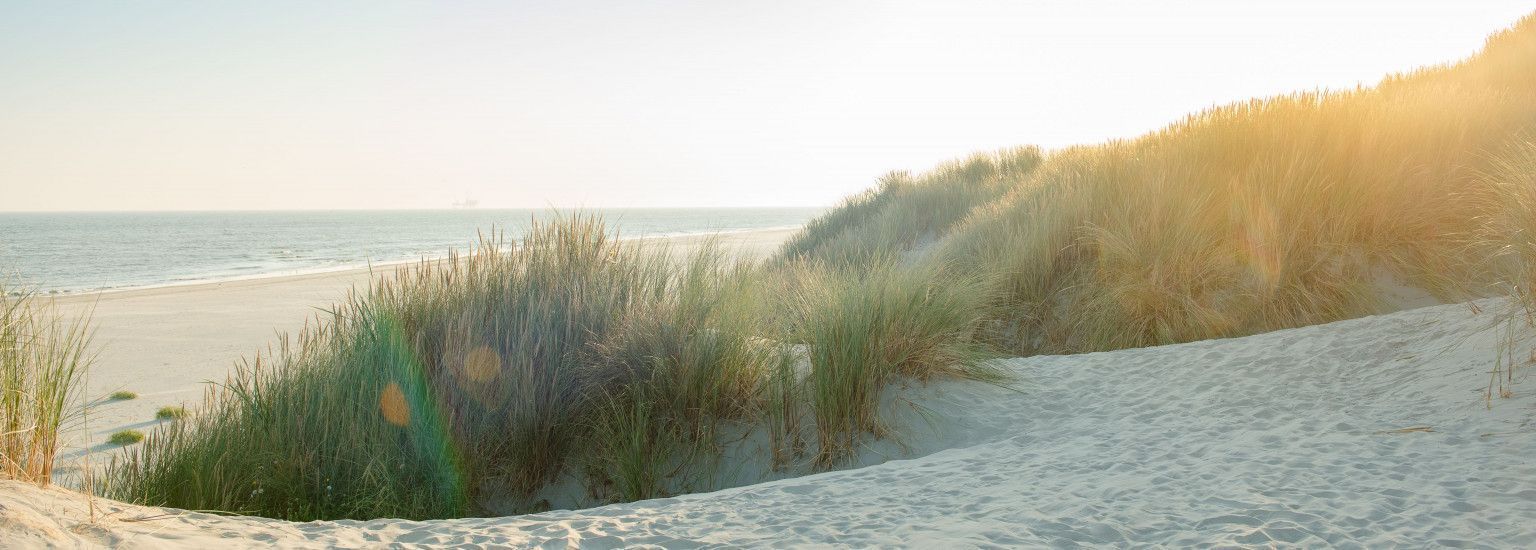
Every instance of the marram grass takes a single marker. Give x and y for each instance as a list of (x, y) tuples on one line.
[(43, 360), (493, 375), (1507, 235), (1256, 216), (863, 330), (904, 213), (450, 380), (1507, 228)]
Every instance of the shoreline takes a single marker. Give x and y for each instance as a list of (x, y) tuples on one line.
[(165, 342), (61, 294)]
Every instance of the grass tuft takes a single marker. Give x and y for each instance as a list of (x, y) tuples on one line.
[(863, 330), (122, 395), (171, 413), (126, 437), (43, 359)]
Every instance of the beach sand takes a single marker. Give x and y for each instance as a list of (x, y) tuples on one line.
[(1362, 433), (165, 343)]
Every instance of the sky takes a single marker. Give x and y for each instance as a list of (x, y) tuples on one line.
[(384, 105)]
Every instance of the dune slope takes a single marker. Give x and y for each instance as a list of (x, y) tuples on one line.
[(1259, 215), (1364, 432)]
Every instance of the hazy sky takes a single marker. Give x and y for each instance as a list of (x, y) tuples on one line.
[(276, 105)]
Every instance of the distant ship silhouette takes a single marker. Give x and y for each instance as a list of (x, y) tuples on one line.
[(466, 203)]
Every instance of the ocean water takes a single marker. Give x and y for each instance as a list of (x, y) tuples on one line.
[(80, 252)]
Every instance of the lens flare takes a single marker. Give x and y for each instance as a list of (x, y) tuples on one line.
[(1260, 244), (392, 404), (410, 401)]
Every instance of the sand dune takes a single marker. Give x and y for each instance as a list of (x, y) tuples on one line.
[(1368, 432), (165, 343)]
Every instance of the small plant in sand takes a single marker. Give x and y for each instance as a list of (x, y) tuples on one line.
[(126, 437), (171, 412), (122, 395), (43, 359)]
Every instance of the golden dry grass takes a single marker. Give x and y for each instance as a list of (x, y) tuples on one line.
[(1260, 215)]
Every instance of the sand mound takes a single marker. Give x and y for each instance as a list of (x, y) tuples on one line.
[(1360, 433)]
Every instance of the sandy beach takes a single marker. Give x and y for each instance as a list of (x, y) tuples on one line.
[(166, 343)]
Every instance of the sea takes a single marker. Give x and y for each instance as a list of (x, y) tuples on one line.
[(63, 253)]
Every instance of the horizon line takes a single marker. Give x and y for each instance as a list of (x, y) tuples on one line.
[(438, 209)]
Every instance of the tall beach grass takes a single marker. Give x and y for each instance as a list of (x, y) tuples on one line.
[(864, 329), (905, 213), (446, 382), (1507, 236), (481, 382), (43, 360), (1260, 215), (1506, 233)]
